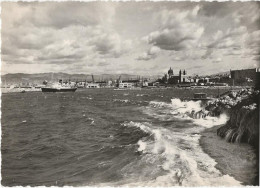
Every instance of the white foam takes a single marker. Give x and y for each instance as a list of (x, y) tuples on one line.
[(188, 106), (142, 126), (188, 167), (142, 145), (184, 110), (178, 153)]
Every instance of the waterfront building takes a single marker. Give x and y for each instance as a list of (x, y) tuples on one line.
[(109, 83), (183, 77), (248, 76), (170, 73), (257, 83), (171, 78), (126, 84), (92, 85), (177, 79)]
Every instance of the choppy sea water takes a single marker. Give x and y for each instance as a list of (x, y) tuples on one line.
[(103, 137)]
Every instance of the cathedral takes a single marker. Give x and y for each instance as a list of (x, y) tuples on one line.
[(176, 79)]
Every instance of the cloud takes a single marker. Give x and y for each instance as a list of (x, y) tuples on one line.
[(197, 67), (110, 44), (238, 13), (40, 33), (257, 58), (218, 60), (92, 35), (253, 40), (102, 63), (57, 15), (178, 30), (192, 54), (71, 44), (232, 38), (150, 54), (233, 51), (228, 39)]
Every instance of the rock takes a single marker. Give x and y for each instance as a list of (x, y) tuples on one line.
[(243, 125)]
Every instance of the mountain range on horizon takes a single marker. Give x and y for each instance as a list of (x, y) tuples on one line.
[(38, 78)]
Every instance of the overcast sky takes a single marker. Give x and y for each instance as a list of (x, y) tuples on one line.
[(144, 38)]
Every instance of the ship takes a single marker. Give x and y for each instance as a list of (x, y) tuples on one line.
[(59, 87), (62, 89)]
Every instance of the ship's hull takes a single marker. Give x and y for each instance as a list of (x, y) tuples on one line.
[(44, 89)]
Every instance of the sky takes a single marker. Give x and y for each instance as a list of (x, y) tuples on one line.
[(140, 38)]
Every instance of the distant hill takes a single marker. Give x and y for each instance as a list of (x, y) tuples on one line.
[(219, 74), (19, 78)]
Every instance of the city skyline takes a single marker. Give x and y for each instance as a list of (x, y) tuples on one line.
[(143, 38)]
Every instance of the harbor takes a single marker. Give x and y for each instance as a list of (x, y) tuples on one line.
[(228, 80), (130, 94)]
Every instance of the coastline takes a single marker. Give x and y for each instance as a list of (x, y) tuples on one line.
[(236, 160)]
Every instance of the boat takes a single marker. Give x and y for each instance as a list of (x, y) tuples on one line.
[(201, 97), (50, 89), (59, 87)]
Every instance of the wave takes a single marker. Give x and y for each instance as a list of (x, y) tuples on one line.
[(171, 159), (121, 100), (184, 110), (142, 126), (141, 95), (169, 153)]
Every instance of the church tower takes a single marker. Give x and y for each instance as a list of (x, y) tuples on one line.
[(170, 72)]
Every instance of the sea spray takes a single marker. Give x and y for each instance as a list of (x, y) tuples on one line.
[(185, 110), (177, 165), (177, 155)]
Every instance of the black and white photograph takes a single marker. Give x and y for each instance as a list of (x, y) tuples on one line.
[(130, 93)]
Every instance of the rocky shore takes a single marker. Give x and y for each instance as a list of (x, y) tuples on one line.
[(243, 125), (238, 160), (235, 145)]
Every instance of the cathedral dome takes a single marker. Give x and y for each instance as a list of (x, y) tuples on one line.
[(170, 71)]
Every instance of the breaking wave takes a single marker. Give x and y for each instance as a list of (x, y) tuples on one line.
[(171, 158), (184, 110)]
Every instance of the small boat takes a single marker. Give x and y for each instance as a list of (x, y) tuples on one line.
[(201, 97)]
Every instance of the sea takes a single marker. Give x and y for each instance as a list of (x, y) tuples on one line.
[(106, 137)]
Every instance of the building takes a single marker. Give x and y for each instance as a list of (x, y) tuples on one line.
[(177, 79), (244, 76), (257, 83), (170, 73), (126, 84), (183, 77), (92, 85)]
